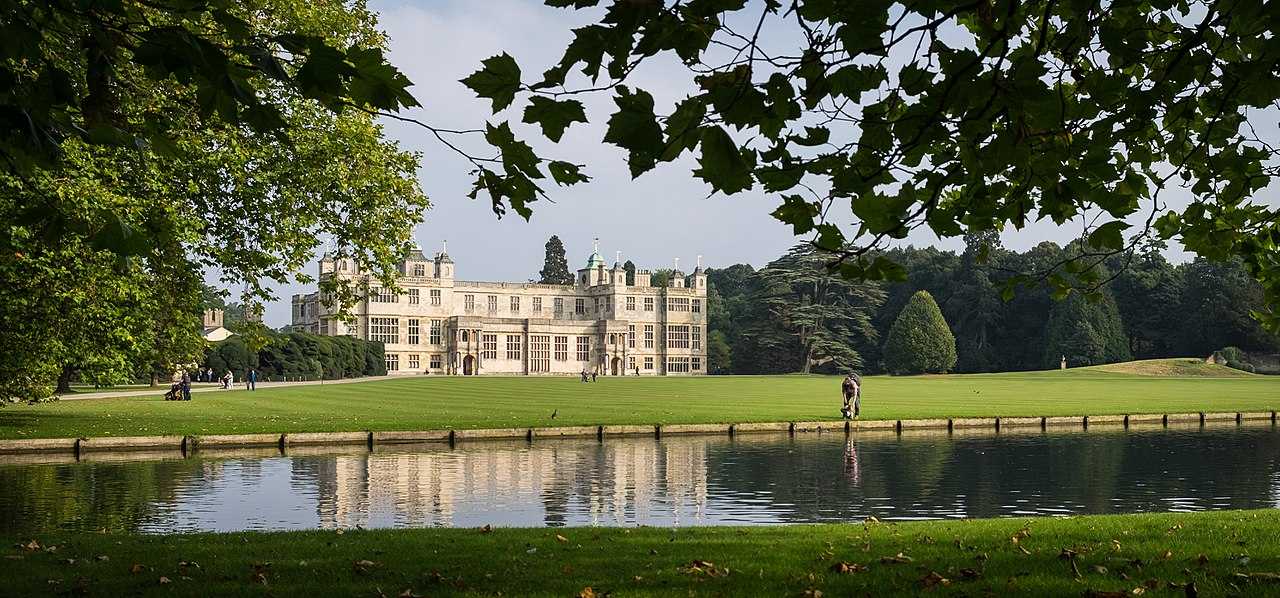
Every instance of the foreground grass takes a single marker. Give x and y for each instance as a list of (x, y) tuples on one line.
[(1222, 553), (433, 402)]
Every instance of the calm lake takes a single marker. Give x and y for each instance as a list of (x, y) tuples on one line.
[(750, 479)]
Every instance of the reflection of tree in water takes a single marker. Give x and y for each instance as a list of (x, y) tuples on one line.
[(986, 476), (92, 496)]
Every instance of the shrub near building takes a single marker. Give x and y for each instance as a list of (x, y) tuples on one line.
[(300, 355), (920, 342)]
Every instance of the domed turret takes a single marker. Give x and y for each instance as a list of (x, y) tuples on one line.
[(595, 260)]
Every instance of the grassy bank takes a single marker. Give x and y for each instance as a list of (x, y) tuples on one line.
[(1223, 553), (431, 402)]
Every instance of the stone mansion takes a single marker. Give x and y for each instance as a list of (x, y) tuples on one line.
[(439, 325)]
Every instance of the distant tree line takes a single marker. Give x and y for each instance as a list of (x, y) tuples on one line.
[(297, 355), (793, 316)]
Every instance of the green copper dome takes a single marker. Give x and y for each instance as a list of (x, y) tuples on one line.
[(595, 260)]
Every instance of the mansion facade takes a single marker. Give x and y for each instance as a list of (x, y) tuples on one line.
[(599, 324)]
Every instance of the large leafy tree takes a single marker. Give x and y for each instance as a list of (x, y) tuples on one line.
[(159, 141), (1215, 307), (920, 342), (1085, 332), (1148, 291), (816, 319), (959, 117), (555, 267)]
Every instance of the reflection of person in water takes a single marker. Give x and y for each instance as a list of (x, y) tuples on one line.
[(852, 468)]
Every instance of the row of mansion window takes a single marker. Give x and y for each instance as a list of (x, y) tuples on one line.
[(671, 304), (540, 358), (678, 336)]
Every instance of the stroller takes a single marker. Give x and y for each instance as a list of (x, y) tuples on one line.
[(175, 392)]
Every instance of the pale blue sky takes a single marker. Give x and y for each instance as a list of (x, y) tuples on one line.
[(660, 216)]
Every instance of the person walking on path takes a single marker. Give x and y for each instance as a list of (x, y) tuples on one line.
[(186, 385), (584, 375), (851, 387), (251, 379), (593, 376)]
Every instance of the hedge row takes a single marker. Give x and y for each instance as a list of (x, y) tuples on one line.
[(299, 355)]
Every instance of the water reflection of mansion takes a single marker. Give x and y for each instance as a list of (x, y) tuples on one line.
[(599, 483)]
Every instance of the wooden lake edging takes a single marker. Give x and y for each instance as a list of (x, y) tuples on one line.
[(213, 443)]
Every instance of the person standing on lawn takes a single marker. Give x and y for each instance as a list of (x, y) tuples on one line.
[(251, 379), (851, 388), (186, 385)]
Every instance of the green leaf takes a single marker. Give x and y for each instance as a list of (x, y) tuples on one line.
[(813, 136), (829, 237), (1109, 235), (498, 80), (682, 128), (554, 116), (118, 237), (722, 164), (852, 81), (798, 213), (914, 79), (517, 156), (566, 174), (634, 127)]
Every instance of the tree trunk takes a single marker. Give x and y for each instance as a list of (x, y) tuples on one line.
[(64, 380)]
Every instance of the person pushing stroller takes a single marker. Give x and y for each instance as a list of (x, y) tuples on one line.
[(851, 387)]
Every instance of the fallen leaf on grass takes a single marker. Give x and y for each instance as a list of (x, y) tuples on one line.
[(363, 566), (31, 546), (895, 559), (165, 580), (968, 573), (704, 568), (103, 557), (1023, 550), (1105, 594), (1202, 559), (408, 593), (587, 592), (933, 579), (846, 567), (1166, 555), (561, 539), (137, 568), (812, 593)]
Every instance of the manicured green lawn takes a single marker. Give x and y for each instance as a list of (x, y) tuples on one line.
[(1222, 554), (434, 402)]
